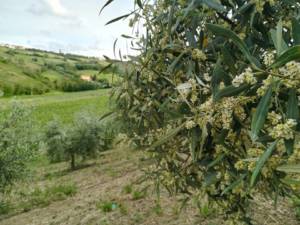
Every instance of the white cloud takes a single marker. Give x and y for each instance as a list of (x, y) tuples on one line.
[(57, 7)]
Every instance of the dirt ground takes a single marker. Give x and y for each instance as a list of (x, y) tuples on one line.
[(105, 181)]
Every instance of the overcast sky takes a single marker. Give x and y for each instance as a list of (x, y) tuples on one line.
[(67, 25)]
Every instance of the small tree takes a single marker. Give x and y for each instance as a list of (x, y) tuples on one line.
[(84, 138), (54, 138), (17, 145)]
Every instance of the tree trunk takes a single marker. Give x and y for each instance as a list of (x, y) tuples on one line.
[(73, 162)]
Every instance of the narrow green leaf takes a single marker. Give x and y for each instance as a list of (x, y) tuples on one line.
[(261, 113), (228, 60), (230, 91), (289, 168), (118, 18), (195, 137), (292, 113), (139, 3), (291, 54), (167, 137), (291, 181), (106, 4), (261, 162), (175, 62), (277, 38), (296, 31), (221, 31), (127, 36), (216, 161), (233, 185)]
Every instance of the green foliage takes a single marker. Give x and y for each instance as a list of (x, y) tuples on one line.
[(16, 145), (137, 195), (55, 140), (213, 96), (106, 206), (5, 207), (84, 138)]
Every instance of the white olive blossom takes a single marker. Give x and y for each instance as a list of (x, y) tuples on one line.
[(245, 77)]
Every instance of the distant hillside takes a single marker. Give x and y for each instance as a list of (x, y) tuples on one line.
[(31, 71)]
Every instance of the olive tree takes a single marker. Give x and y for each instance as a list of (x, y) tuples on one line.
[(17, 145), (214, 96)]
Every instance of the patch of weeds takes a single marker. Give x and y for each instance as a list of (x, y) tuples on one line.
[(137, 195), (5, 207), (206, 211), (43, 197), (127, 189), (106, 206), (157, 209)]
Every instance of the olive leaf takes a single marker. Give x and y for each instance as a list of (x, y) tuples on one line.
[(261, 113), (261, 162), (291, 54), (296, 31), (292, 113), (289, 168), (221, 31)]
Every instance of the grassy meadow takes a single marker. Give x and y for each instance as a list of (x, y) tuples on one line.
[(59, 105)]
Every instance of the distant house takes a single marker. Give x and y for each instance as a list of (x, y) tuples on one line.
[(86, 78)]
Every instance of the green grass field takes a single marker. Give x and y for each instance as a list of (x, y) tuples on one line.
[(62, 106)]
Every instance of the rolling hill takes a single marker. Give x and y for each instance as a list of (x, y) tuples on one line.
[(32, 71)]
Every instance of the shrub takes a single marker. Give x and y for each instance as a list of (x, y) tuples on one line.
[(16, 146), (55, 141), (214, 96)]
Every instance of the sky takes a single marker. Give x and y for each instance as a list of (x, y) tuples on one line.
[(70, 26)]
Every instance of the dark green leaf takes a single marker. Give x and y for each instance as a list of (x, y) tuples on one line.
[(296, 31), (221, 31), (230, 91), (261, 162), (167, 137), (261, 113), (118, 18), (291, 54), (292, 113), (106, 4), (233, 185), (216, 161), (139, 2)]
